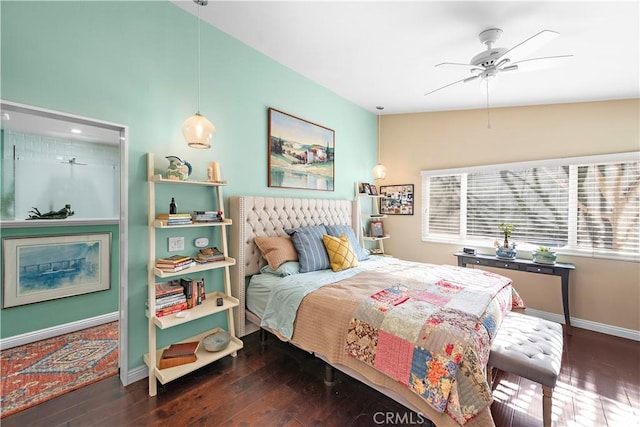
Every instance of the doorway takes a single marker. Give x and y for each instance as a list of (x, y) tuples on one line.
[(51, 159)]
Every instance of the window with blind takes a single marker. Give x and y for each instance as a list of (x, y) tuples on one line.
[(587, 205)]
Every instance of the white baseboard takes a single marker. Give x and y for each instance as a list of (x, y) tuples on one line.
[(54, 331), (588, 325), (137, 374)]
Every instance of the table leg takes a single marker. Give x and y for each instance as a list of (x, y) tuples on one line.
[(565, 300)]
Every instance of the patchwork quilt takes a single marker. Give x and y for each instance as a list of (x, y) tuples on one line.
[(430, 329)]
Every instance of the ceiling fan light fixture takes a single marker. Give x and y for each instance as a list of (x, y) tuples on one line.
[(494, 60)]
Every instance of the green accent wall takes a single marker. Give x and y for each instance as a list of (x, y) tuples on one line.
[(32, 317), (135, 63)]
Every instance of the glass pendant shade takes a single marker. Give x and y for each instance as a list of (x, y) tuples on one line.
[(379, 171), (198, 131)]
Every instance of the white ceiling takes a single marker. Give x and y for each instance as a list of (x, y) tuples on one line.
[(384, 52)]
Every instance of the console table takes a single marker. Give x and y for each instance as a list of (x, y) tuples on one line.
[(558, 269)]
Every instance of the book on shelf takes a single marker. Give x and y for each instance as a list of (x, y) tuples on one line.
[(194, 291), (166, 216), (175, 269), (201, 289), (175, 266), (179, 354), (176, 361), (181, 349), (177, 222), (171, 310), (187, 284), (207, 216), (173, 259), (212, 254), (168, 288), (169, 302)]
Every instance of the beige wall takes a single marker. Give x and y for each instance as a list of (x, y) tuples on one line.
[(601, 291)]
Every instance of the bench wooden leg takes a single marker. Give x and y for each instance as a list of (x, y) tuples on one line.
[(546, 405), (490, 377)]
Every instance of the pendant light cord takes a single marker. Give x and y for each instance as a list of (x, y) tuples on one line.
[(198, 57), (378, 144)]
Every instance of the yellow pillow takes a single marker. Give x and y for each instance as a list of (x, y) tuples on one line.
[(340, 251)]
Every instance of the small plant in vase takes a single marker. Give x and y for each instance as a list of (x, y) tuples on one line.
[(544, 255), (506, 250)]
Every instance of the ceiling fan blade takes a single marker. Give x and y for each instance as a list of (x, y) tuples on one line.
[(457, 64), (539, 63), (525, 48), (451, 84)]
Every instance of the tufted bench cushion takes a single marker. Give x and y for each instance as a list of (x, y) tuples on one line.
[(530, 348)]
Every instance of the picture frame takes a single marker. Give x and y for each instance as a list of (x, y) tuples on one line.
[(44, 268), (373, 190), (376, 229), (301, 153), (363, 188), (397, 199)]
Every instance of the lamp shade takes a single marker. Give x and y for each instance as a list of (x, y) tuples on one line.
[(379, 171), (198, 131)]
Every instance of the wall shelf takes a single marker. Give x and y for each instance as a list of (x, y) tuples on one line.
[(207, 308)]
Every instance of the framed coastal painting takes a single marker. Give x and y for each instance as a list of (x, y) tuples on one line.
[(43, 268), (396, 199), (301, 153)]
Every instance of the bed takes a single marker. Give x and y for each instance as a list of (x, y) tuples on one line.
[(334, 311)]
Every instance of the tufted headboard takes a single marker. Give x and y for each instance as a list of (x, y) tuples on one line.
[(270, 216)]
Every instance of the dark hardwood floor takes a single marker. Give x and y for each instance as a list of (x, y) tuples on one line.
[(274, 383)]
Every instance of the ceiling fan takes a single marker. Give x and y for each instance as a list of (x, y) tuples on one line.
[(496, 60)]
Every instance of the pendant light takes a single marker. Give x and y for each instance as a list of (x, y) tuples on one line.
[(379, 171), (197, 130)]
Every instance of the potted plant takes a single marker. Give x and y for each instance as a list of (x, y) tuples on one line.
[(506, 250), (544, 255)]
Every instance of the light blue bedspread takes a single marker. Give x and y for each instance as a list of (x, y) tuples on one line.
[(287, 294)]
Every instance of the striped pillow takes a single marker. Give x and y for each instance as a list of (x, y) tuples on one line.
[(338, 229), (312, 255)]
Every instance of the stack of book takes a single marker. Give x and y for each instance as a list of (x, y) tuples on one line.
[(207, 216), (175, 263), (179, 354), (194, 291), (175, 219), (170, 298), (205, 255)]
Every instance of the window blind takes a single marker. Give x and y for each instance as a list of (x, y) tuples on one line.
[(588, 204)]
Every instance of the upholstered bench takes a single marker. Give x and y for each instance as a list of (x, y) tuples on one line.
[(530, 348)]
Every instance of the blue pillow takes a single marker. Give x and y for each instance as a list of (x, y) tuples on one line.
[(286, 269), (312, 254), (337, 230)]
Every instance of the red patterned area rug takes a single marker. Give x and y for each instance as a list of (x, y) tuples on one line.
[(37, 372)]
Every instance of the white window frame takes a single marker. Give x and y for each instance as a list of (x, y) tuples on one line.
[(487, 245)]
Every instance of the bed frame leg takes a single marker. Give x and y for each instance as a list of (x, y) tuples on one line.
[(263, 335), (329, 375)]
